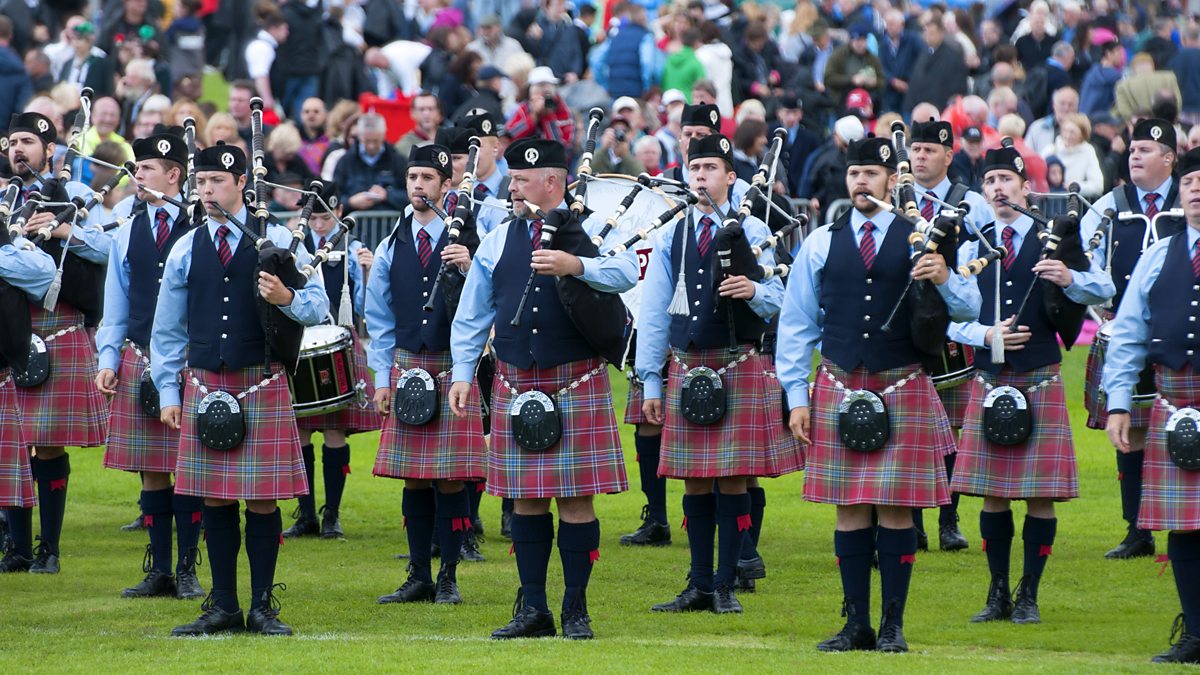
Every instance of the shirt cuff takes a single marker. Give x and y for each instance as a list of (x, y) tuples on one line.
[(1120, 401), (797, 397), (383, 378), (652, 387), (110, 358), (168, 396), (463, 372)]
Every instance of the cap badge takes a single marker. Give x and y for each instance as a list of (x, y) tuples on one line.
[(943, 135), (724, 145), (443, 158), (1019, 163), (1156, 132), (43, 126), (486, 126), (885, 153), (164, 147), (532, 155), (227, 160), (714, 117)]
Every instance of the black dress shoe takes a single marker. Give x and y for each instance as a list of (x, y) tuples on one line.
[(331, 526), (752, 568), (725, 600), (45, 561), (1136, 544), (12, 562), (743, 585), (527, 622), (412, 590), (891, 639), (506, 524), (447, 587), (650, 533), (691, 599), (576, 624), (212, 620), (156, 584), (1025, 607), (470, 548), (853, 637), (137, 525), (999, 602), (950, 538), (187, 585), (264, 619), (306, 525), (1185, 648)]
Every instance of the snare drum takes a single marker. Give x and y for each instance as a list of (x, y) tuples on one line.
[(953, 367), (324, 380), (1144, 392)]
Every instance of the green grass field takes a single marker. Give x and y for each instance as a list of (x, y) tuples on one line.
[(1098, 615)]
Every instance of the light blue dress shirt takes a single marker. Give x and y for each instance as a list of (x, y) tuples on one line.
[(31, 271), (1092, 217)]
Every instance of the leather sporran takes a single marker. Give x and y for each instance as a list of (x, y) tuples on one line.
[(702, 398), (863, 422), (535, 421), (148, 395), (1007, 419), (37, 369), (1183, 438), (220, 422), (416, 402)]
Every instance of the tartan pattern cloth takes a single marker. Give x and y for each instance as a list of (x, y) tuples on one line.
[(447, 448), (787, 454), (1096, 404), (16, 481), (137, 441), (267, 464), (586, 461), (954, 401), (356, 418), (1170, 495), (633, 402), (746, 442), (908, 471), (1042, 467), (67, 410)]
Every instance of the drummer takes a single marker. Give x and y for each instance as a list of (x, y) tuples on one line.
[(1152, 191), (434, 453), (1151, 328), (358, 417), (931, 147)]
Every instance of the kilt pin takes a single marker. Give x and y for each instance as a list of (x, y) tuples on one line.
[(907, 471), (1041, 467), (748, 441), (586, 461), (16, 480), (447, 448), (266, 465), (66, 410), (137, 441)]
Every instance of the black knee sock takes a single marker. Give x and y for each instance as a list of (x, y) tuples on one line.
[(506, 505), (188, 511), (223, 539), (474, 495), (52, 477), (533, 537), (579, 548), (308, 502), (733, 521), (156, 506), (654, 486), (948, 514), (1184, 552), (918, 516), (20, 530), (897, 555), (758, 503), (418, 508), (701, 514), (335, 464), (263, 531), (1038, 534), (453, 521), (997, 531), (1129, 473), (853, 550)]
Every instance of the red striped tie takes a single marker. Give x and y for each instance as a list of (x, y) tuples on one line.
[(927, 208), (706, 224), (424, 250), (1006, 240), (223, 250), (451, 202), (1196, 260), (535, 231), (1151, 206), (866, 247), (164, 228), (321, 244)]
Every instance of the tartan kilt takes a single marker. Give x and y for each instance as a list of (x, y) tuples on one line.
[(586, 461), (267, 464), (137, 441), (954, 401), (1170, 495), (67, 410), (633, 402), (1042, 467), (746, 442), (16, 480), (355, 418), (1096, 403), (447, 448), (908, 471)]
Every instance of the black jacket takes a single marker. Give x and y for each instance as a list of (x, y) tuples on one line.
[(353, 175), (938, 76)]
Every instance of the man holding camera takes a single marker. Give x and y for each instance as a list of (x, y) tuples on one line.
[(616, 149), (545, 114)]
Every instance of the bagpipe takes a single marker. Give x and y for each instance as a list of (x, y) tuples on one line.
[(600, 317), (460, 229), (1061, 240), (17, 333)]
